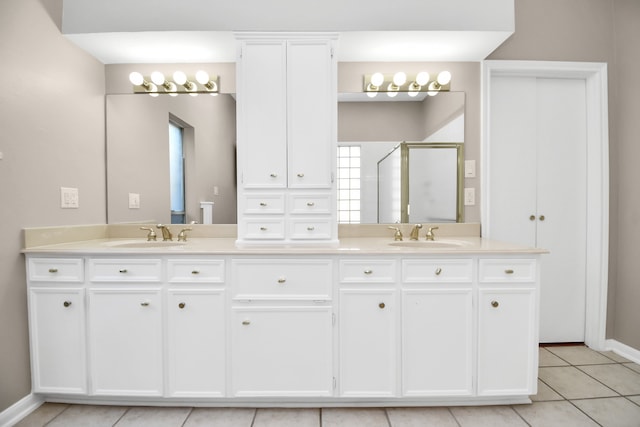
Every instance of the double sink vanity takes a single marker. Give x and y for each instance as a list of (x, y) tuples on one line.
[(367, 321)]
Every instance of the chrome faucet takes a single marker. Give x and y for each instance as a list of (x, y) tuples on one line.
[(166, 233), (430, 235), (415, 232)]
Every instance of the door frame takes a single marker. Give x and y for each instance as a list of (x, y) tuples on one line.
[(597, 261)]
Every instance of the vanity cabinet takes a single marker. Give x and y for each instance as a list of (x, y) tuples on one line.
[(437, 327), (286, 118)]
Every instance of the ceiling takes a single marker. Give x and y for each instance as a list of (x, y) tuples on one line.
[(201, 31)]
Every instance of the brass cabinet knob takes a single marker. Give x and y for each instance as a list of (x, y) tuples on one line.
[(300, 175), (382, 305), (495, 304), (144, 304), (66, 303), (123, 271), (274, 175), (508, 271), (53, 270), (195, 272), (310, 228), (541, 218), (438, 271), (282, 280), (310, 204), (532, 217), (263, 204), (181, 305), (246, 322), (368, 272), (263, 228)]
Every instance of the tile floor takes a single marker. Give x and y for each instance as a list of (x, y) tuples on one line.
[(577, 387)]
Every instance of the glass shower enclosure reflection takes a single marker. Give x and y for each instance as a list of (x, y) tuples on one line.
[(421, 182)]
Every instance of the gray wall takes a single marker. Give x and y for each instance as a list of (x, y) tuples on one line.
[(52, 124)]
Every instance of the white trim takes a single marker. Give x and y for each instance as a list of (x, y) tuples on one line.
[(623, 350), (595, 75), (20, 409)]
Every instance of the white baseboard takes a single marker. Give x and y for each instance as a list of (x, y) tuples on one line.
[(19, 410), (624, 350)]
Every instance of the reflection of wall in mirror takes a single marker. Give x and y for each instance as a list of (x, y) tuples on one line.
[(137, 155), (389, 188)]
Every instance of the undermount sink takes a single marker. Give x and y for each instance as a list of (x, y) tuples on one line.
[(429, 244), (144, 244)]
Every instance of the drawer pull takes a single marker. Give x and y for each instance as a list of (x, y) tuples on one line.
[(382, 305), (368, 272), (274, 175), (263, 228), (495, 304), (53, 270), (508, 271), (181, 305), (66, 303), (282, 280), (246, 322), (310, 204), (195, 272), (123, 271), (438, 271), (300, 175), (144, 304), (263, 204), (310, 228)]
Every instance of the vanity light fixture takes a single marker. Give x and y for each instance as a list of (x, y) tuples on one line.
[(392, 84), (181, 83)]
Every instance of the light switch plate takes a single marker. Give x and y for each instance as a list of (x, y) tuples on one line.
[(69, 198), (469, 168), (469, 196), (134, 201)]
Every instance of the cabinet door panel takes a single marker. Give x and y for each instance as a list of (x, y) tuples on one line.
[(58, 340), (507, 342), (282, 351), (196, 320), (125, 330), (368, 343), (437, 341)]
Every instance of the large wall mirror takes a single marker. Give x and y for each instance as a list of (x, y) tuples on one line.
[(373, 129), (146, 180)]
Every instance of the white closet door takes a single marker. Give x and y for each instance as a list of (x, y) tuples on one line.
[(537, 169)]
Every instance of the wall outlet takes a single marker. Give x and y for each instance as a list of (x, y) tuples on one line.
[(469, 168), (134, 201), (469, 196), (69, 198)]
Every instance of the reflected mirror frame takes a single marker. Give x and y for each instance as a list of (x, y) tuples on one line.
[(404, 153)]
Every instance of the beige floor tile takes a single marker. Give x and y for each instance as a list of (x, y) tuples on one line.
[(354, 417), (220, 417), (154, 417), (421, 417), (619, 378), (489, 416), (633, 366), (611, 411), (572, 383), (579, 355), (614, 356), (45, 413), (88, 416), (545, 393), (277, 417), (554, 414), (635, 399), (546, 358)]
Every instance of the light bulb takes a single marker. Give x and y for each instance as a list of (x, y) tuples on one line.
[(157, 77), (372, 94), (413, 92), (444, 77), (202, 77), (179, 77), (136, 78), (422, 78), (399, 78), (392, 94), (377, 79)]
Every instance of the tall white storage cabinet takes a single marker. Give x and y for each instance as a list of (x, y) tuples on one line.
[(537, 169), (287, 103)]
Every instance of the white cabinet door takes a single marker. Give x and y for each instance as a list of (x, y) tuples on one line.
[(437, 342), (507, 344), (196, 343), (58, 340), (125, 341), (368, 343), (281, 351)]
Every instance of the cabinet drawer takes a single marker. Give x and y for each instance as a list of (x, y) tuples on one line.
[(507, 270), (278, 279), (437, 271), (310, 229), (125, 270), (56, 270), (310, 204), (368, 271), (195, 271), (263, 203), (264, 228)]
